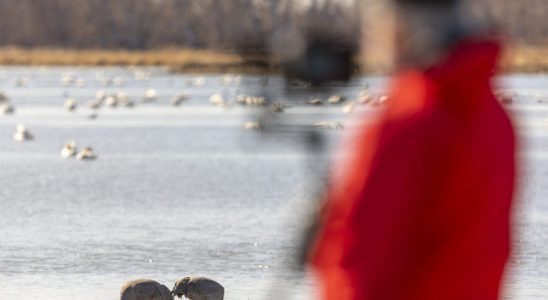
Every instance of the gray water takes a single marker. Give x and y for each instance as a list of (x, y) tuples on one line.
[(180, 191)]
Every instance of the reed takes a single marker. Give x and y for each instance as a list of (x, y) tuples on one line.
[(523, 59)]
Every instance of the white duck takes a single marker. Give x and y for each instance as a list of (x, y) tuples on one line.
[(314, 102), (69, 149), (6, 109), (70, 104), (86, 154), (22, 134), (336, 99), (252, 125), (329, 125), (150, 95)]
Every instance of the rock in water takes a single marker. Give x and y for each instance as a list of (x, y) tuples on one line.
[(198, 288), (145, 289)]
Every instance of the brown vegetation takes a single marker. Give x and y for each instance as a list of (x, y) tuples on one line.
[(212, 33), (517, 59)]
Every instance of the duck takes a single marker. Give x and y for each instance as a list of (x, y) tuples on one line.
[(177, 100), (67, 80), (6, 109), (336, 99), (254, 125), (505, 97), (150, 95), (278, 107), (80, 83), (100, 95), (69, 149), (3, 98), (111, 101), (70, 104), (22, 134), (364, 98), (349, 107), (255, 101), (95, 103), (123, 99), (329, 125), (86, 154), (217, 100), (314, 102), (198, 81)]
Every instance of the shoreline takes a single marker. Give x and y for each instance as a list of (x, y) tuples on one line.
[(518, 59)]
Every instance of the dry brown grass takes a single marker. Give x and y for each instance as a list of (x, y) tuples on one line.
[(165, 57), (517, 59), (525, 59)]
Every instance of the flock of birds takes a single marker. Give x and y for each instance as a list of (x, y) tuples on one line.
[(22, 133), (121, 99)]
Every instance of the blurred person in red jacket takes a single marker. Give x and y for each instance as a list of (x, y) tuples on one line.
[(419, 208)]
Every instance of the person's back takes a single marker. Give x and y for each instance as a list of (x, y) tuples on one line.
[(427, 216)]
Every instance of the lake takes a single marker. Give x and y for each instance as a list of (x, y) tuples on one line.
[(186, 190)]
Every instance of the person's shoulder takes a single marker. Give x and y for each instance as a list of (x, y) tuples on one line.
[(411, 98)]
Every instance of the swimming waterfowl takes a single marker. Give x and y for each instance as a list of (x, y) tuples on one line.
[(254, 125), (177, 100), (95, 103), (145, 289), (70, 104), (141, 75), (278, 107), (383, 99), (67, 80), (218, 100), (122, 99), (336, 99), (314, 102), (6, 109), (364, 98), (111, 101), (505, 97), (100, 95), (255, 101), (329, 125), (227, 79), (86, 154), (150, 95), (3, 98), (22, 134), (198, 81), (69, 149), (349, 107)]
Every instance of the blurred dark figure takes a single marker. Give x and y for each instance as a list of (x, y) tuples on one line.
[(420, 208)]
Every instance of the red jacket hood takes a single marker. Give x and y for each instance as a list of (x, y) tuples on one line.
[(464, 75)]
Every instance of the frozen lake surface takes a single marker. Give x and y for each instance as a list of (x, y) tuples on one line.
[(185, 190)]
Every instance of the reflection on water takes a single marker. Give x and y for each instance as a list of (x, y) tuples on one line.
[(186, 190)]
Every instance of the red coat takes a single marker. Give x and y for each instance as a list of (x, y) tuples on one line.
[(420, 209)]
